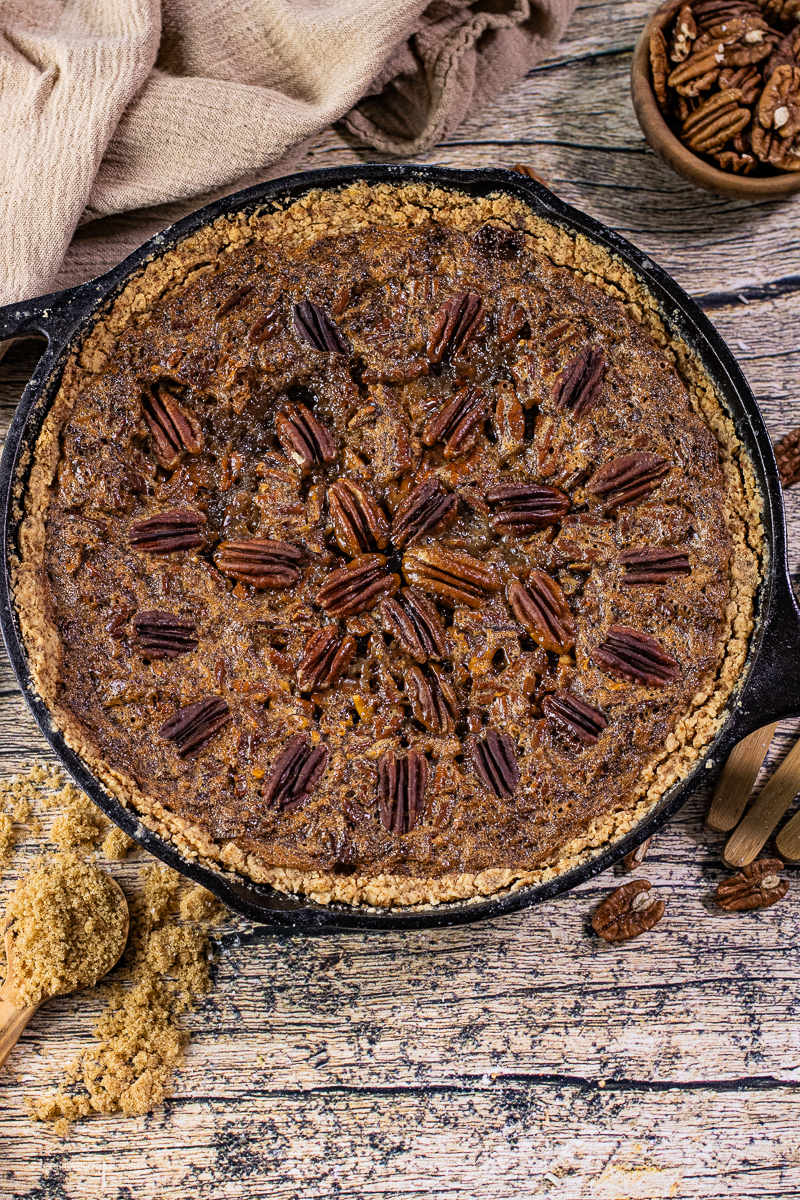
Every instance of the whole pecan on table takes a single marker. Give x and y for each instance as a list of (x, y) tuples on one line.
[(433, 702), (455, 325), (313, 325), (294, 774), (635, 655), (414, 622), (194, 725), (578, 388), (575, 716), (427, 507), (359, 524), (401, 790), (163, 634), (454, 577), (457, 422), (304, 439), (494, 758), (260, 562), (174, 430), (628, 912), (653, 564), (758, 885), (358, 587), (635, 858), (178, 529), (325, 658), (522, 508), (787, 456), (541, 607), (627, 479)]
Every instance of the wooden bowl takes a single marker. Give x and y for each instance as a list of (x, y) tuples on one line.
[(673, 151)]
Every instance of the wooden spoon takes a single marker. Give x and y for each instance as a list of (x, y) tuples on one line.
[(13, 1019)]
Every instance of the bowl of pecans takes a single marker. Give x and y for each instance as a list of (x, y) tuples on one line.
[(716, 89)]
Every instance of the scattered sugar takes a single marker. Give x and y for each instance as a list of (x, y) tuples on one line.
[(116, 844), (80, 825)]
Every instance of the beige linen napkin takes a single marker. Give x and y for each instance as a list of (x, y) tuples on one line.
[(108, 106)]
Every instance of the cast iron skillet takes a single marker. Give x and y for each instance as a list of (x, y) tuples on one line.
[(770, 684)]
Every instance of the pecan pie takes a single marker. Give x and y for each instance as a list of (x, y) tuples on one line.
[(386, 548)]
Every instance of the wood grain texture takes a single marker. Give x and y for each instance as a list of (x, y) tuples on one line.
[(520, 1057)]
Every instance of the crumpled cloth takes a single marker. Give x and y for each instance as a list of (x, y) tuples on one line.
[(108, 106)]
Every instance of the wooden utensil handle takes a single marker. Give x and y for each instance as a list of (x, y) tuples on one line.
[(12, 1022), (738, 776), (761, 818)]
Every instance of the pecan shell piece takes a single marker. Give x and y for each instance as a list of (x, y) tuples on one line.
[(401, 790), (575, 715), (174, 430), (455, 325), (427, 506), (195, 724), (494, 758), (653, 564), (313, 325), (627, 479), (415, 623), (457, 423), (541, 607), (326, 657), (454, 577), (178, 529), (787, 456), (163, 634), (359, 524), (260, 562), (627, 912), (294, 774), (578, 388), (632, 654), (358, 587), (304, 439), (433, 702), (521, 508), (758, 885)]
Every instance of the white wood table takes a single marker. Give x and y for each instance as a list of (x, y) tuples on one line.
[(521, 1057)]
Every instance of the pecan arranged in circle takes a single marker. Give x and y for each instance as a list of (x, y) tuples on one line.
[(427, 507), (455, 325), (415, 623), (358, 587), (174, 430), (627, 479), (401, 790), (627, 912), (195, 724), (632, 654), (541, 608), (653, 564), (433, 702), (494, 758), (512, 321), (163, 634), (303, 438), (758, 885), (313, 325), (178, 529), (454, 577), (260, 562), (575, 716), (265, 327), (359, 524), (457, 423), (521, 508), (326, 657), (579, 386), (294, 774), (234, 299)]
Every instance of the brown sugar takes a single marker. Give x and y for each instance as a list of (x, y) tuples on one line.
[(67, 927), (80, 825), (116, 844)]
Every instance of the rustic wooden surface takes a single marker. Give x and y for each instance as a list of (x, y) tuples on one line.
[(521, 1057)]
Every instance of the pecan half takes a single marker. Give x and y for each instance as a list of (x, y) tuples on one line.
[(787, 456), (653, 564), (401, 790), (627, 479), (295, 774), (195, 724), (774, 134), (456, 578), (178, 529), (627, 912), (457, 423), (512, 321), (313, 325), (455, 325), (163, 634), (427, 506), (659, 68), (415, 623), (359, 524), (265, 327), (495, 241), (747, 79), (631, 654), (575, 715), (683, 35), (541, 608), (358, 587), (715, 122), (758, 885), (174, 430), (433, 702), (260, 562), (578, 387), (234, 299), (303, 438), (495, 761), (326, 657), (520, 508), (636, 857)]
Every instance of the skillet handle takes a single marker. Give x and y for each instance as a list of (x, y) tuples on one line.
[(42, 314), (773, 690)]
